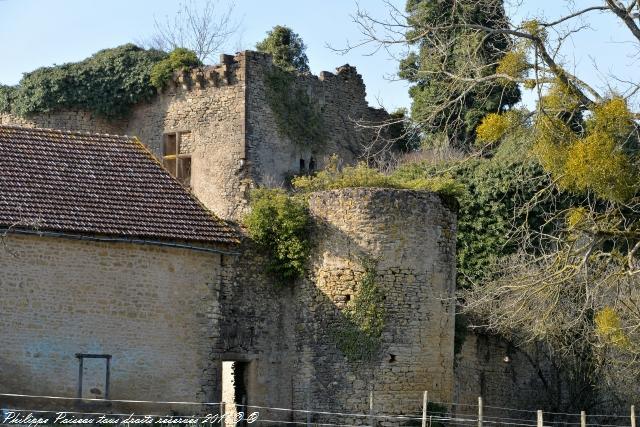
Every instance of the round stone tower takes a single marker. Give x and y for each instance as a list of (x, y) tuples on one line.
[(382, 276)]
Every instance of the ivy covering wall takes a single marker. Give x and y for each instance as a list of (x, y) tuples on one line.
[(108, 83), (278, 223), (298, 117), (358, 330)]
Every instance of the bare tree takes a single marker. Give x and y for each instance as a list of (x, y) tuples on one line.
[(203, 28), (574, 282)]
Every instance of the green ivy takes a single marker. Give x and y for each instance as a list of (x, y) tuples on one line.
[(358, 332), (494, 189), (7, 94), (297, 116), (179, 59), (108, 83), (279, 223)]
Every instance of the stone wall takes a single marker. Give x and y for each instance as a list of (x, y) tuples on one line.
[(284, 333), (153, 309), (503, 375), (81, 121), (257, 327), (210, 104), (340, 98), (515, 381), (234, 141), (411, 235)]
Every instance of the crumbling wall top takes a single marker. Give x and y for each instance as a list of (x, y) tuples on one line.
[(230, 71)]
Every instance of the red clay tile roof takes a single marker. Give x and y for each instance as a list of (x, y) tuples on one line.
[(84, 183)]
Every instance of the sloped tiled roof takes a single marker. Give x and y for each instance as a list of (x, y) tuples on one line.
[(84, 183)]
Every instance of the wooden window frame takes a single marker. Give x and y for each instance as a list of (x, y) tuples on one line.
[(175, 157)]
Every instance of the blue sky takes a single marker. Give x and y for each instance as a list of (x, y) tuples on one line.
[(37, 33), (43, 32)]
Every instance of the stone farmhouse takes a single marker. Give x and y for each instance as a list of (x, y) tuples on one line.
[(126, 275)]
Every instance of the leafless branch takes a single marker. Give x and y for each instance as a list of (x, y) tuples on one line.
[(203, 28)]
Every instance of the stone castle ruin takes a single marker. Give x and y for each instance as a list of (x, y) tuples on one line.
[(218, 122), (170, 316)]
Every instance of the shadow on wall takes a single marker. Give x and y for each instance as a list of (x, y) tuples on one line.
[(292, 334), (524, 378), (413, 352)]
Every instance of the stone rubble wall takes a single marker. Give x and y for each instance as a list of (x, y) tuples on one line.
[(285, 332), (523, 378), (208, 103), (258, 326), (234, 140), (340, 96), (81, 121), (412, 236), (503, 375)]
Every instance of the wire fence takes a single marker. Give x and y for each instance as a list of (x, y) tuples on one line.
[(26, 409)]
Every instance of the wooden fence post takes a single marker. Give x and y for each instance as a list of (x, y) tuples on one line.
[(424, 409), (583, 419), (480, 412), (371, 421), (633, 416), (540, 423)]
